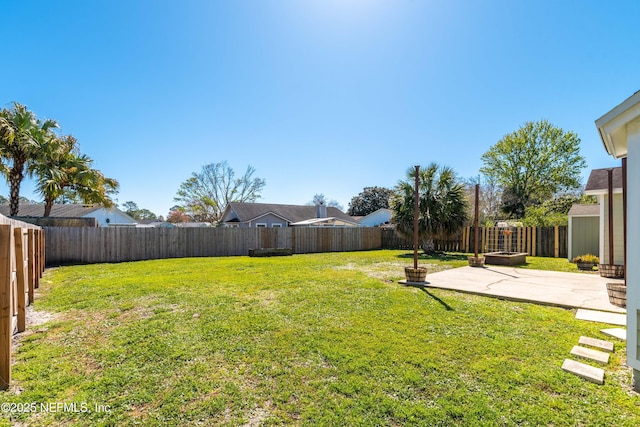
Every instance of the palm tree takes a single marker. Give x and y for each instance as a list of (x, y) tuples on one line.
[(442, 204), (21, 137), (55, 165), (61, 168), (93, 187)]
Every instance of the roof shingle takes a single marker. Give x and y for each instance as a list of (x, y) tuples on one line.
[(293, 213), (584, 210), (598, 179), (57, 211)]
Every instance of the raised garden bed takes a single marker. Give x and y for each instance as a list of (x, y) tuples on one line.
[(270, 252), (505, 258)]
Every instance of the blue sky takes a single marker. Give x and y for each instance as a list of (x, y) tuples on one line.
[(319, 96)]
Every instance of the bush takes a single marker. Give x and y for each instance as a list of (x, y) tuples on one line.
[(587, 258)]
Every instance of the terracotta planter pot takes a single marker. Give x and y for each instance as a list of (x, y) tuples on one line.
[(476, 262), (617, 294), (415, 275)]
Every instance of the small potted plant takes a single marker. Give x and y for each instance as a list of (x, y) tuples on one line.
[(586, 262)]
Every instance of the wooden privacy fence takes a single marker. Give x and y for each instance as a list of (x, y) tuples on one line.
[(83, 245), (535, 241), (21, 266)]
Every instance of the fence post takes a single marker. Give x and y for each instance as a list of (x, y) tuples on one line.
[(41, 258), (36, 251), (6, 321), (30, 264), (556, 242), (20, 276)]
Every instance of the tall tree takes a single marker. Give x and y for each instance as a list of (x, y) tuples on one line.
[(533, 164), (177, 216), (490, 199), (134, 211), (205, 195), (59, 167), (369, 200), (442, 204), (22, 135), (322, 199)]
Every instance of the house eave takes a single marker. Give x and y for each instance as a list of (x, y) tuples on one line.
[(265, 214), (613, 125), (601, 192)]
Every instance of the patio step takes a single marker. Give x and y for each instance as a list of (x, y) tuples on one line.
[(594, 342), (602, 316), (619, 333), (588, 353), (588, 372)]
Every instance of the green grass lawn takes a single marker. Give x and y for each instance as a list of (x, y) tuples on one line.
[(321, 339), (554, 264)]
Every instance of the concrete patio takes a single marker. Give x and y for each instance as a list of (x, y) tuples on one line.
[(569, 290)]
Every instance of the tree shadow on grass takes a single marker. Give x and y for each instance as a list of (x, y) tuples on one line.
[(438, 299), (438, 256)]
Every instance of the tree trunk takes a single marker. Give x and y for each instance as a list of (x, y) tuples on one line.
[(48, 204), (428, 246), (15, 179)]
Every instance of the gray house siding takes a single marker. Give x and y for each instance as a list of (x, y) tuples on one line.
[(268, 220)]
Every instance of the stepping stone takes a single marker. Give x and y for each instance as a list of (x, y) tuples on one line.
[(619, 333), (593, 342), (602, 316), (588, 353), (588, 372)]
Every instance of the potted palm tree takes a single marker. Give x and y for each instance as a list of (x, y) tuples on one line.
[(442, 209)]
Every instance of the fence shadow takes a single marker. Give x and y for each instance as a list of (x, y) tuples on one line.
[(438, 256)]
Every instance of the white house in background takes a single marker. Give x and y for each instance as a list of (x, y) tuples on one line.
[(597, 185), (105, 216), (620, 132), (274, 215), (375, 219), (154, 223)]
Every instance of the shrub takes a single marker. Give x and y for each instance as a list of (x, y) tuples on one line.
[(586, 258)]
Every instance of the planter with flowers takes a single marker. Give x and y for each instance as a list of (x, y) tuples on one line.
[(586, 262)]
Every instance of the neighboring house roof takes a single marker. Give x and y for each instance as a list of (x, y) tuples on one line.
[(65, 211), (145, 223), (598, 182), (584, 210), (246, 212), (193, 224), (330, 221), (59, 211)]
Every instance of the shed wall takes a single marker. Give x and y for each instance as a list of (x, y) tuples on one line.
[(585, 236)]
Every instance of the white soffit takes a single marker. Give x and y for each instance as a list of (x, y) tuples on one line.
[(613, 125)]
